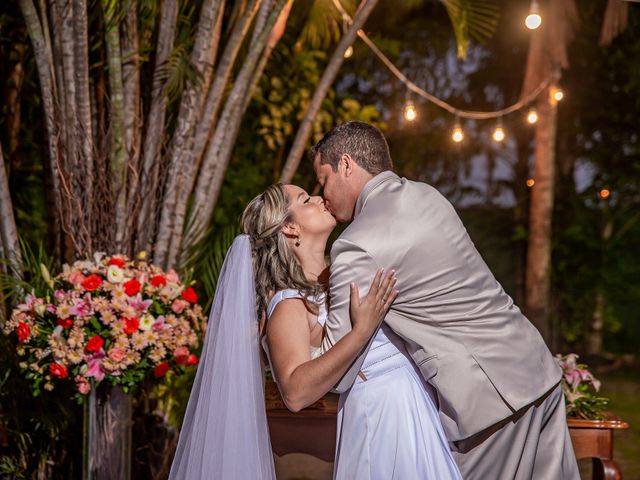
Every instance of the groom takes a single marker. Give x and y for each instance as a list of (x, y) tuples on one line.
[(497, 384)]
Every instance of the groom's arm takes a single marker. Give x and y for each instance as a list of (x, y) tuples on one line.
[(349, 263)]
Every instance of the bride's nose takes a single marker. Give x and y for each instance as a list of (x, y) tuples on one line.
[(319, 200)]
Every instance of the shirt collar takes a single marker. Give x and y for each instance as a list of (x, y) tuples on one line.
[(370, 186)]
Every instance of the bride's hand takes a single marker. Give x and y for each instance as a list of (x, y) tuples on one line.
[(366, 314)]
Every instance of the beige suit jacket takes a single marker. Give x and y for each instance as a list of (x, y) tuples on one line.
[(469, 340)]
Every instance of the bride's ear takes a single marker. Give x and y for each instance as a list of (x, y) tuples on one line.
[(291, 230)]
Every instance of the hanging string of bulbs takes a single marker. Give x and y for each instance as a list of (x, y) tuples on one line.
[(533, 21)]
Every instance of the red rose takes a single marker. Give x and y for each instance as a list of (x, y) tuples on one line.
[(64, 323), (181, 355), (118, 262), (192, 360), (94, 344), (189, 295), (131, 325), (132, 287), (92, 282), (58, 371), (161, 369), (158, 280), (23, 331)]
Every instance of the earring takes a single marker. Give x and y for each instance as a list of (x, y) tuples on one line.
[(298, 242)]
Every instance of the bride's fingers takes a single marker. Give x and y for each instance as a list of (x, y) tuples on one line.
[(392, 296), (386, 286), (375, 285)]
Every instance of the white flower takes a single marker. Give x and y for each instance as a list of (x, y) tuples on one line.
[(114, 274), (146, 322), (98, 256), (46, 275), (40, 309)]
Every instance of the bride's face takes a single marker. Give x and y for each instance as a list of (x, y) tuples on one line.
[(309, 213)]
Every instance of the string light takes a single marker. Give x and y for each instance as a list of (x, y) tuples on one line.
[(410, 112), (348, 52), (530, 182), (457, 135), (533, 20), (498, 133), (604, 193), (532, 116), (557, 94)]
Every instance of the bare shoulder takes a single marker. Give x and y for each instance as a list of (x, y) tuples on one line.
[(289, 313)]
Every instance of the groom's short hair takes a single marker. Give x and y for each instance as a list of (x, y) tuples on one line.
[(364, 143)]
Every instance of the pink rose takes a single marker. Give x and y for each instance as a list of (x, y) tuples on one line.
[(181, 355), (76, 277), (82, 385), (116, 354), (172, 276), (178, 306)]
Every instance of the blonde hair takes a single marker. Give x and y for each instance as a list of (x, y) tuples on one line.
[(274, 264)]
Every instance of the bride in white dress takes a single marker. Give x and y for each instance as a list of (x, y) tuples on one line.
[(388, 425)]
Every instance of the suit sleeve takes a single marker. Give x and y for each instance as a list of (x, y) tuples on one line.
[(349, 263)]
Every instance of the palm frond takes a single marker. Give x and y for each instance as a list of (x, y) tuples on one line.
[(471, 19), (34, 275), (204, 260), (324, 23)]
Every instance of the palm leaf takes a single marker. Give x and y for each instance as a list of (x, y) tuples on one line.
[(12, 288), (471, 19), (204, 260), (324, 23)]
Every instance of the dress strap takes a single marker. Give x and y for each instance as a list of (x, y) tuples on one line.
[(282, 295)]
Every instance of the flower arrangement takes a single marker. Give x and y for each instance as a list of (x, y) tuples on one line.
[(577, 382), (107, 320)]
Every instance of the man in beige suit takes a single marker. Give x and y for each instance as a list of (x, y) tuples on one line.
[(497, 384)]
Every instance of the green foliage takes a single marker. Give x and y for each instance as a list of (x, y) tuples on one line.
[(471, 19)]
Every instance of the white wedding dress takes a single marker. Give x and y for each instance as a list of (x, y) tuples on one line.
[(388, 424)]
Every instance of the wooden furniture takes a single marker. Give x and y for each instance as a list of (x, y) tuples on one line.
[(594, 439), (313, 431)]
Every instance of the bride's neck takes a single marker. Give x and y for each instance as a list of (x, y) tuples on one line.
[(314, 264)]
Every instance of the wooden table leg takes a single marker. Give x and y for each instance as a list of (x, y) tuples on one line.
[(606, 470)]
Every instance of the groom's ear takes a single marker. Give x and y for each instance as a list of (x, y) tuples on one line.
[(347, 164)]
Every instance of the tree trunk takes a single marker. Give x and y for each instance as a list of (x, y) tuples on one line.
[(132, 119), (155, 125), (540, 215), (84, 174), (220, 147), (596, 333), (43, 56), (329, 75), (8, 230), (186, 152), (117, 154)]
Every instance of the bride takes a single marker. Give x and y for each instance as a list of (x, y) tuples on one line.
[(278, 272)]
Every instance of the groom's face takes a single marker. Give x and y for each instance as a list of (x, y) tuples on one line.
[(335, 190)]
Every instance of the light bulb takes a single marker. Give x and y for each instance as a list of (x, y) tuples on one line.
[(457, 135), (530, 182), (410, 111), (498, 134), (558, 94), (533, 20), (532, 116), (348, 52), (604, 193)]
